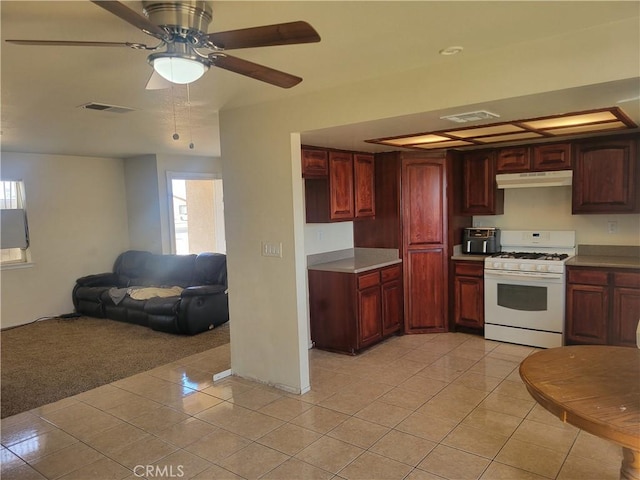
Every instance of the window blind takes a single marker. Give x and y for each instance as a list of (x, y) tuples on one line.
[(13, 228)]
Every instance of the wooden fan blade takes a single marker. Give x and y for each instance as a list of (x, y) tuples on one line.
[(265, 36), (130, 16), (65, 43), (258, 72)]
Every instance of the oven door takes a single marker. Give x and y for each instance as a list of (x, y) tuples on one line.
[(527, 300)]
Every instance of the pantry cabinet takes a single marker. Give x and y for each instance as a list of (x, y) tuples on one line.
[(418, 212), (605, 178), (468, 293), (345, 192), (602, 306), (480, 194), (352, 311)]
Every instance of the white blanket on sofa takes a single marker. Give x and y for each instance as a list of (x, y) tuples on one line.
[(143, 293)]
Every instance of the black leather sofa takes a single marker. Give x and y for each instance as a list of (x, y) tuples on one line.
[(200, 303)]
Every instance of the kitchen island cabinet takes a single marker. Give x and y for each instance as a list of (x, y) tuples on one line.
[(352, 311), (603, 306)]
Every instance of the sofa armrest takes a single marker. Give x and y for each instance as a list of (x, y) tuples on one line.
[(98, 280), (200, 290)]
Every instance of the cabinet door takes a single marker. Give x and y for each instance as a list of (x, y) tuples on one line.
[(605, 177), (468, 295), (364, 178), (423, 203), (587, 314), (341, 186), (369, 316), (315, 163), (556, 156), (625, 316), (425, 291), (480, 195), (515, 159), (391, 306)]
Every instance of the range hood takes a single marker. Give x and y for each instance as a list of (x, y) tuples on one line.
[(558, 178)]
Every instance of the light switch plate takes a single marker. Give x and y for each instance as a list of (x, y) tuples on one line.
[(272, 249)]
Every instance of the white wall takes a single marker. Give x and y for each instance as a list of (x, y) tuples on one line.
[(145, 232), (77, 217), (549, 208), (268, 330)]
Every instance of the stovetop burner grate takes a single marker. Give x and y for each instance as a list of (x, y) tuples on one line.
[(531, 256)]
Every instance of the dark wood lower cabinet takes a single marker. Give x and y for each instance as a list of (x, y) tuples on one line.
[(468, 294), (603, 306), (426, 291), (350, 312)]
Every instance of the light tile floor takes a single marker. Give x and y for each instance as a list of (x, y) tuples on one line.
[(417, 407)]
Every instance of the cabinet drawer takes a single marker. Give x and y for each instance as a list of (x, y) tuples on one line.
[(367, 280), (588, 277), (471, 269), (390, 273), (626, 279)]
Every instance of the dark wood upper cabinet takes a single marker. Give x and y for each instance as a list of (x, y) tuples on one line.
[(315, 163), (346, 193), (480, 195), (364, 185), (341, 186), (515, 159), (535, 158), (606, 176), (555, 156)]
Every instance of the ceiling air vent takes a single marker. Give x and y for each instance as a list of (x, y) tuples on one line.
[(103, 107), (470, 116)]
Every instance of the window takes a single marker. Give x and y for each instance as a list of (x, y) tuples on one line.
[(197, 212), (14, 239)]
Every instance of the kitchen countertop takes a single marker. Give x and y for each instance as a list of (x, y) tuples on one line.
[(356, 261), (466, 256), (608, 256), (603, 261)]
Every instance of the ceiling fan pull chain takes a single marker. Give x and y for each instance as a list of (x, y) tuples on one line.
[(175, 123), (189, 117)]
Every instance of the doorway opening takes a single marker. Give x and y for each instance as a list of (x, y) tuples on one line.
[(197, 213)]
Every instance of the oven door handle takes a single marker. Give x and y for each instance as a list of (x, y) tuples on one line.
[(521, 275)]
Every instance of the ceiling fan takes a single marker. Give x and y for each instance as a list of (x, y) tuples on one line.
[(181, 28)]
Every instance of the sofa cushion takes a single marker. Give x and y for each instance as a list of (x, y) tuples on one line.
[(169, 270), (131, 264), (210, 269)]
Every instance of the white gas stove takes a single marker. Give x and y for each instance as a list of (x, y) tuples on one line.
[(525, 287)]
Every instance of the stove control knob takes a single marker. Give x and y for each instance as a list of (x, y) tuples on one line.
[(526, 267), (497, 265), (542, 268)]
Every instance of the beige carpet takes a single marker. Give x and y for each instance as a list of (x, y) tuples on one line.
[(49, 360)]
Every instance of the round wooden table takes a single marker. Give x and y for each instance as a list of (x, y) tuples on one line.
[(595, 388)]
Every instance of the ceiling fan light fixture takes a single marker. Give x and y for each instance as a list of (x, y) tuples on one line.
[(179, 70)]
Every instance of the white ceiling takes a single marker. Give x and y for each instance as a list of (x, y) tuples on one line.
[(42, 87)]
